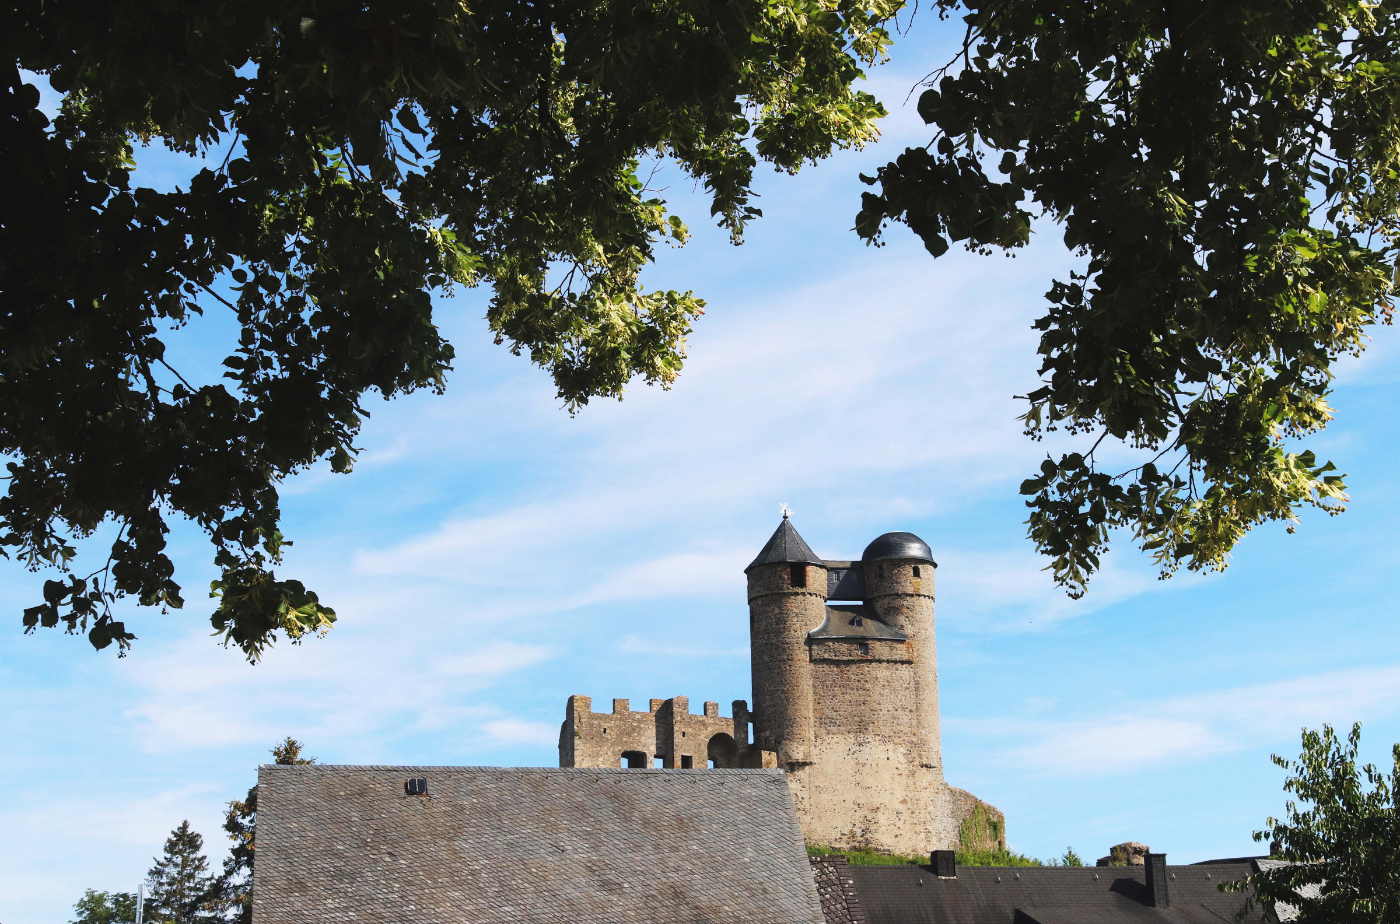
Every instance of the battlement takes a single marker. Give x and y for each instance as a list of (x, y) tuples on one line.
[(667, 734)]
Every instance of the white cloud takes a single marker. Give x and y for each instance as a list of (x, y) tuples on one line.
[(517, 731), (1181, 729), (631, 644), (492, 660)]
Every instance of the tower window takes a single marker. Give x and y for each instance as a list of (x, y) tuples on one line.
[(687, 762), (798, 575), (865, 648), (916, 571)]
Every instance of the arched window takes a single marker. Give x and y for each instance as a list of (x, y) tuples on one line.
[(916, 571), (722, 751), (634, 760)]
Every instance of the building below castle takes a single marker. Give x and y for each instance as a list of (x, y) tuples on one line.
[(845, 690)]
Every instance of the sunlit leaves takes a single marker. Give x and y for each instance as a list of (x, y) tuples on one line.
[(361, 161), (1231, 176)]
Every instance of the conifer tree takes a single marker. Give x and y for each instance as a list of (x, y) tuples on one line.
[(236, 884), (182, 889)]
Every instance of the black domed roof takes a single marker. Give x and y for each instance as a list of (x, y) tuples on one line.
[(898, 545)]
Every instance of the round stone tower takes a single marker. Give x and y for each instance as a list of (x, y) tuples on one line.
[(898, 570), (787, 599)]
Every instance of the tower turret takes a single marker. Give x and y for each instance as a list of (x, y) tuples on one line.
[(787, 599), (898, 570)]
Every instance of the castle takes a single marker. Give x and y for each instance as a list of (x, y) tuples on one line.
[(845, 691)]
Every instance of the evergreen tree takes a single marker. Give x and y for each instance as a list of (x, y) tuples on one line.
[(105, 908), (236, 884), (182, 889)]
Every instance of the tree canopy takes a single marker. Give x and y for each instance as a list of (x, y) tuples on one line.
[(357, 159), (1229, 174), (1341, 847), (105, 908)]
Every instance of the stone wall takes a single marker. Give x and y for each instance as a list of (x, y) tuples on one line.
[(875, 778), (979, 826), (667, 730)]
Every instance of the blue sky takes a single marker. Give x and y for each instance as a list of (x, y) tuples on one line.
[(491, 555)]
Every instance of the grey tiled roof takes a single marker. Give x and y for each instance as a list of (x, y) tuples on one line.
[(785, 545), (1046, 895), (537, 845), (840, 901), (840, 623)]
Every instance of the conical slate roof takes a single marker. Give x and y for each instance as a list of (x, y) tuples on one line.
[(785, 545)]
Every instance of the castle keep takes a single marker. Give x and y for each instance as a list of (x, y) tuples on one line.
[(845, 692)]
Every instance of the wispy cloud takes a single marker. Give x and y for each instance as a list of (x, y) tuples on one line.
[(1182, 729), (517, 731), (631, 644), (492, 660)]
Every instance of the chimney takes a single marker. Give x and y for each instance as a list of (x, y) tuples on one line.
[(945, 866), (1157, 880)]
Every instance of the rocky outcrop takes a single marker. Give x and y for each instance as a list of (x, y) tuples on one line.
[(1128, 853)]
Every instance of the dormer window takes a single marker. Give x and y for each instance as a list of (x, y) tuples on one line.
[(797, 575)]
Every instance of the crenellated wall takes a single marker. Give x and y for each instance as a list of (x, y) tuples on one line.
[(667, 730)]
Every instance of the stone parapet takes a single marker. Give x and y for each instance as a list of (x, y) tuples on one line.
[(667, 732)]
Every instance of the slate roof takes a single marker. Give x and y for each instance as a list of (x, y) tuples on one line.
[(1046, 895), (490, 845), (898, 546), (837, 890), (840, 623), (785, 545)]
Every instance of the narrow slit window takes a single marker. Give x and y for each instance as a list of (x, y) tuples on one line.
[(798, 575)]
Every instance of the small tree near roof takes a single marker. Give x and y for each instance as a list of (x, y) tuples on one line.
[(1342, 844)]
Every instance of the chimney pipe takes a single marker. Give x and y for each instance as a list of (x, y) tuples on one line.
[(944, 863), (1157, 880)]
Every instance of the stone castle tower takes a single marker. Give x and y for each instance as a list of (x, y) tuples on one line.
[(845, 690)]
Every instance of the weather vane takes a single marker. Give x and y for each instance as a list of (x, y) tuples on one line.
[(787, 511)]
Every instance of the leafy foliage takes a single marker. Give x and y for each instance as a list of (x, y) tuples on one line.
[(866, 857), (240, 821), (104, 908), (359, 160), (182, 889), (1343, 845), (1230, 176), (996, 856)]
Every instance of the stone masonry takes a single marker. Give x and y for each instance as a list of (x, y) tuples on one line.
[(845, 690), (667, 732)]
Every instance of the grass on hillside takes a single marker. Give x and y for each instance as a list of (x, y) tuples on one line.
[(999, 857)]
